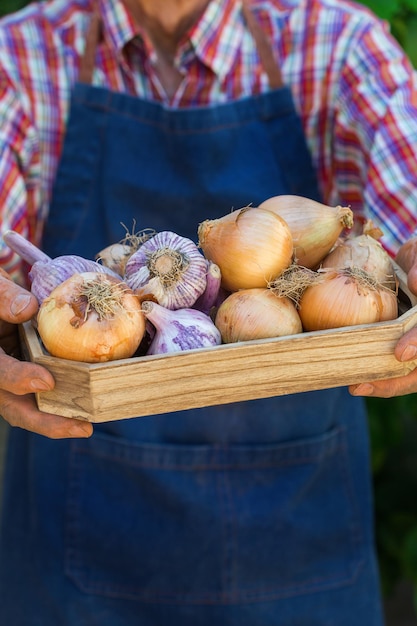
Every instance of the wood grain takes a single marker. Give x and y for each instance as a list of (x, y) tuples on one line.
[(150, 385)]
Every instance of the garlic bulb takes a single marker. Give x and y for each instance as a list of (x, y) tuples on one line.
[(117, 254), (210, 295), (45, 277), (115, 257), (46, 273), (346, 297), (167, 268), (251, 246), (256, 314), (91, 317), (314, 227), (179, 330)]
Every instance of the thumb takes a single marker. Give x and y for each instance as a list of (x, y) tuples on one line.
[(16, 304)]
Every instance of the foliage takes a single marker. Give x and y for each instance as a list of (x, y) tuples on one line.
[(7, 6), (393, 423)]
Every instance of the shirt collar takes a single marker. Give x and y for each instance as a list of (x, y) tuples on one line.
[(214, 39)]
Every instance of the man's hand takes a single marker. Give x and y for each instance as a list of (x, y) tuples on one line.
[(406, 348), (18, 379)]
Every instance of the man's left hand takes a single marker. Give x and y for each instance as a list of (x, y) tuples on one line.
[(406, 348)]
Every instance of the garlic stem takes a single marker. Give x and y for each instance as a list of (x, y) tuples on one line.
[(24, 248)]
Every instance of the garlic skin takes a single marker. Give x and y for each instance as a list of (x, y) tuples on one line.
[(256, 314), (169, 269), (210, 295), (179, 330), (251, 246), (24, 248), (115, 257), (91, 317), (45, 276), (117, 254), (46, 273), (314, 227)]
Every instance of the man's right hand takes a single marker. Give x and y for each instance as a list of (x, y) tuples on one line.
[(19, 380)]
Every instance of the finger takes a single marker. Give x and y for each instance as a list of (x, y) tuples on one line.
[(23, 413), (406, 347), (21, 377), (390, 388), (412, 278), (17, 304)]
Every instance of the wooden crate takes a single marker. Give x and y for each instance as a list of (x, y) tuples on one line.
[(149, 385)]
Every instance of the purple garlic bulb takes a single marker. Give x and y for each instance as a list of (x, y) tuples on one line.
[(167, 268), (180, 330), (209, 297), (45, 276), (46, 273)]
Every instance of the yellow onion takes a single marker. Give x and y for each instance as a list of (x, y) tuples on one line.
[(346, 297), (315, 227), (366, 252), (256, 314), (251, 246), (91, 317)]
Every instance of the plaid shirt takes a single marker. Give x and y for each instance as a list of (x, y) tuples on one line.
[(354, 89)]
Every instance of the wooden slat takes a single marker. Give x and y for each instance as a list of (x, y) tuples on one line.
[(228, 373)]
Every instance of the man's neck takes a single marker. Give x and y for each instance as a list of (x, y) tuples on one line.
[(166, 21)]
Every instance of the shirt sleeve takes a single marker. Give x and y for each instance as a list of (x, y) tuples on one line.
[(19, 176), (375, 134)]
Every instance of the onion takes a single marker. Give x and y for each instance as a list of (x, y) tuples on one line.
[(256, 314), (366, 252), (315, 227), (346, 297), (91, 317), (251, 246)]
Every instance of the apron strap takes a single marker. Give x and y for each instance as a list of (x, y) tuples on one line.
[(89, 57), (263, 46)]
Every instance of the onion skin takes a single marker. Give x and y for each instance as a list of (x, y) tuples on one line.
[(340, 299), (407, 255), (68, 331), (315, 227), (256, 314), (251, 246), (366, 252)]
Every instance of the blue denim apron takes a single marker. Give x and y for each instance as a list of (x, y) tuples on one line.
[(257, 513)]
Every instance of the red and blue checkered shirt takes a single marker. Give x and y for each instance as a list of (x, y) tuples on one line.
[(354, 89)]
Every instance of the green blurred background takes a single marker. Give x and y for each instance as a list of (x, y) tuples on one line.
[(393, 423)]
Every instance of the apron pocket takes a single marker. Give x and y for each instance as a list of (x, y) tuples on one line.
[(211, 524)]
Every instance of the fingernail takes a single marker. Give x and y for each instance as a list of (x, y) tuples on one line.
[(365, 389), (37, 384), (20, 303), (409, 353)]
